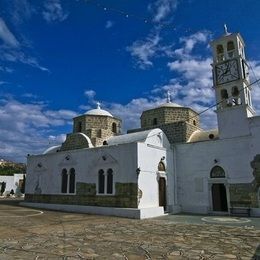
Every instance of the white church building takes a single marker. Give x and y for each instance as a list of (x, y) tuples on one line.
[(169, 164)]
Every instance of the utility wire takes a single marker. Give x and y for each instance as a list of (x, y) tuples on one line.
[(221, 101), (251, 68)]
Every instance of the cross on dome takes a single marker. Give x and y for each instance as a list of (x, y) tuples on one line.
[(226, 30), (168, 97), (98, 105)]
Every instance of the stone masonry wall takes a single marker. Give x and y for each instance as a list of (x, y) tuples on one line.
[(98, 128), (166, 115), (243, 195), (125, 196), (73, 142)]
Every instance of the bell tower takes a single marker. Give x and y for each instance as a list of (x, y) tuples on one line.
[(232, 85)]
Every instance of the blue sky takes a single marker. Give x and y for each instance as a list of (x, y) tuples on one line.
[(59, 57)]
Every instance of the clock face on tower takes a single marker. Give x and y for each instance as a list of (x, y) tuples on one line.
[(227, 71)]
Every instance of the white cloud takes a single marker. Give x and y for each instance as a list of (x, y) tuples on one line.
[(6, 36), (131, 112), (90, 93), (26, 127), (3, 82), (17, 55), (189, 42), (144, 51), (109, 24), (53, 11), (161, 9), (192, 82), (13, 51), (21, 10)]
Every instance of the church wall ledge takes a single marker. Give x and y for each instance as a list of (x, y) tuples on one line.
[(110, 211)]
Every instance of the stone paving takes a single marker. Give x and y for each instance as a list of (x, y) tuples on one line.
[(30, 234)]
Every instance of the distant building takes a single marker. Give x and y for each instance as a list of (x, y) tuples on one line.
[(11, 182), (169, 164)]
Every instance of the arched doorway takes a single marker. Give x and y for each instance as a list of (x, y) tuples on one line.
[(162, 193), (219, 197), (162, 185), (218, 190)]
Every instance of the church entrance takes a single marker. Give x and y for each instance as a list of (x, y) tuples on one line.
[(219, 197), (162, 192)]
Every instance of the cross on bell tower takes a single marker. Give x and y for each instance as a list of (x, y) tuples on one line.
[(232, 84)]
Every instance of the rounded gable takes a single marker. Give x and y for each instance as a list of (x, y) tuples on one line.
[(98, 112)]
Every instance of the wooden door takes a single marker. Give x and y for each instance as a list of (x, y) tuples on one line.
[(162, 193)]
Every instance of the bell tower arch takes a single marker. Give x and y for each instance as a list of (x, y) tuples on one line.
[(232, 85)]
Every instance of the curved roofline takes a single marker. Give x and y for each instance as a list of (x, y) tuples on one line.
[(52, 149), (141, 136), (180, 107), (98, 112)]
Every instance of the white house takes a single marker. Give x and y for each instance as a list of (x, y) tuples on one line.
[(13, 182), (169, 164)]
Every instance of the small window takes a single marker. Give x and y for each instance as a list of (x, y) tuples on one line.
[(211, 136), (101, 182), (79, 128), (235, 92), (155, 121), (64, 181), (217, 172), (230, 49), (220, 53), (161, 167), (224, 94), (72, 181), (114, 128), (220, 49), (230, 46), (109, 181), (194, 122)]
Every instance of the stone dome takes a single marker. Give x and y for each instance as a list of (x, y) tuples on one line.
[(170, 104), (98, 112)]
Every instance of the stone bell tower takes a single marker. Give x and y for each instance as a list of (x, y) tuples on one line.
[(232, 85)]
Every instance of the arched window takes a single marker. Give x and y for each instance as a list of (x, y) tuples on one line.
[(114, 128), (161, 167), (109, 181), (64, 181), (235, 91), (236, 99), (220, 53), (217, 172), (101, 181), (155, 121), (220, 49), (230, 49), (224, 94), (72, 181), (230, 46)]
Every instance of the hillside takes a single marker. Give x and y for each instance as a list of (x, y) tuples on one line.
[(9, 168)]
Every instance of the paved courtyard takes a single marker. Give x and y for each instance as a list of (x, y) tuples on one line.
[(34, 234)]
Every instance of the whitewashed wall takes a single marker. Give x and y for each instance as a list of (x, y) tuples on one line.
[(194, 162), (86, 162)]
